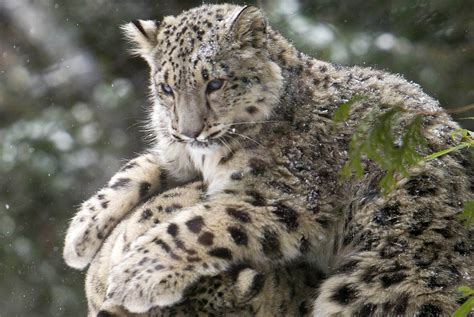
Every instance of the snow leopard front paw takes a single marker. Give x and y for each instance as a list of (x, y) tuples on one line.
[(97, 216), (148, 277), (141, 292), (226, 291), (81, 243)]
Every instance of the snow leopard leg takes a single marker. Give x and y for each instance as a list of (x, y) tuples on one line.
[(217, 294), (99, 214), (205, 240)]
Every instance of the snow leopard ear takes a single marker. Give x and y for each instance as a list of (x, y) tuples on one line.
[(248, 26), (143, 36)]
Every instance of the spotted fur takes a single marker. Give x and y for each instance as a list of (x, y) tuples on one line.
[(239, 291), (236, 105)]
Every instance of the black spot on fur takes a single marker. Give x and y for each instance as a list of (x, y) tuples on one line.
[(388, 215), (236, 176), (163, 245), (345, 294), (425, 255), (348, 267), (173, 229), (286, 215), (271, 244), (257, 166), (257, 284), (172, 208), (222, 253), (105, 204), (352, 232), (251, 109), (238, 235), (420, 221), (443, 276), (120, 183), (256, 198), (366, 240), (206, 238), (392, 279), (104, 313), (393, 247), (195, 225), (303, 308), (430, 310), (170, 195), (463, 248), (193, 259), (366, 310), (369, 274), (146, 214), (281, 186), (144, 189), (143, 261), (238, 214), (400, 305), (324, 221), (180, 245), (422, 185), (445, 232)]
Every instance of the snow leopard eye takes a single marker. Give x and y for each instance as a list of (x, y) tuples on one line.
[(167, 89), (214, 85)]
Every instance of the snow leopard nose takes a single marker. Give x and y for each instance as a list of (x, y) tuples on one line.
[(191, 114), (191, 131), (190, 124)]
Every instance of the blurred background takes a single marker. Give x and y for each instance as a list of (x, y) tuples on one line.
[(72, 104)]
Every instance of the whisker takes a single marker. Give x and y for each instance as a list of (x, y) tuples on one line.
[(141, 123), (225, 144), (236, 140), (246, 137), (251, 122)]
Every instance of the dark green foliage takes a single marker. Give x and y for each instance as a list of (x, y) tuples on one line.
[(374, 140), (468, 305), (464, 137), (342, 113), (467, 214)]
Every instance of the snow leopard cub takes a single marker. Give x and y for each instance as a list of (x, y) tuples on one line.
[(236, 105)]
